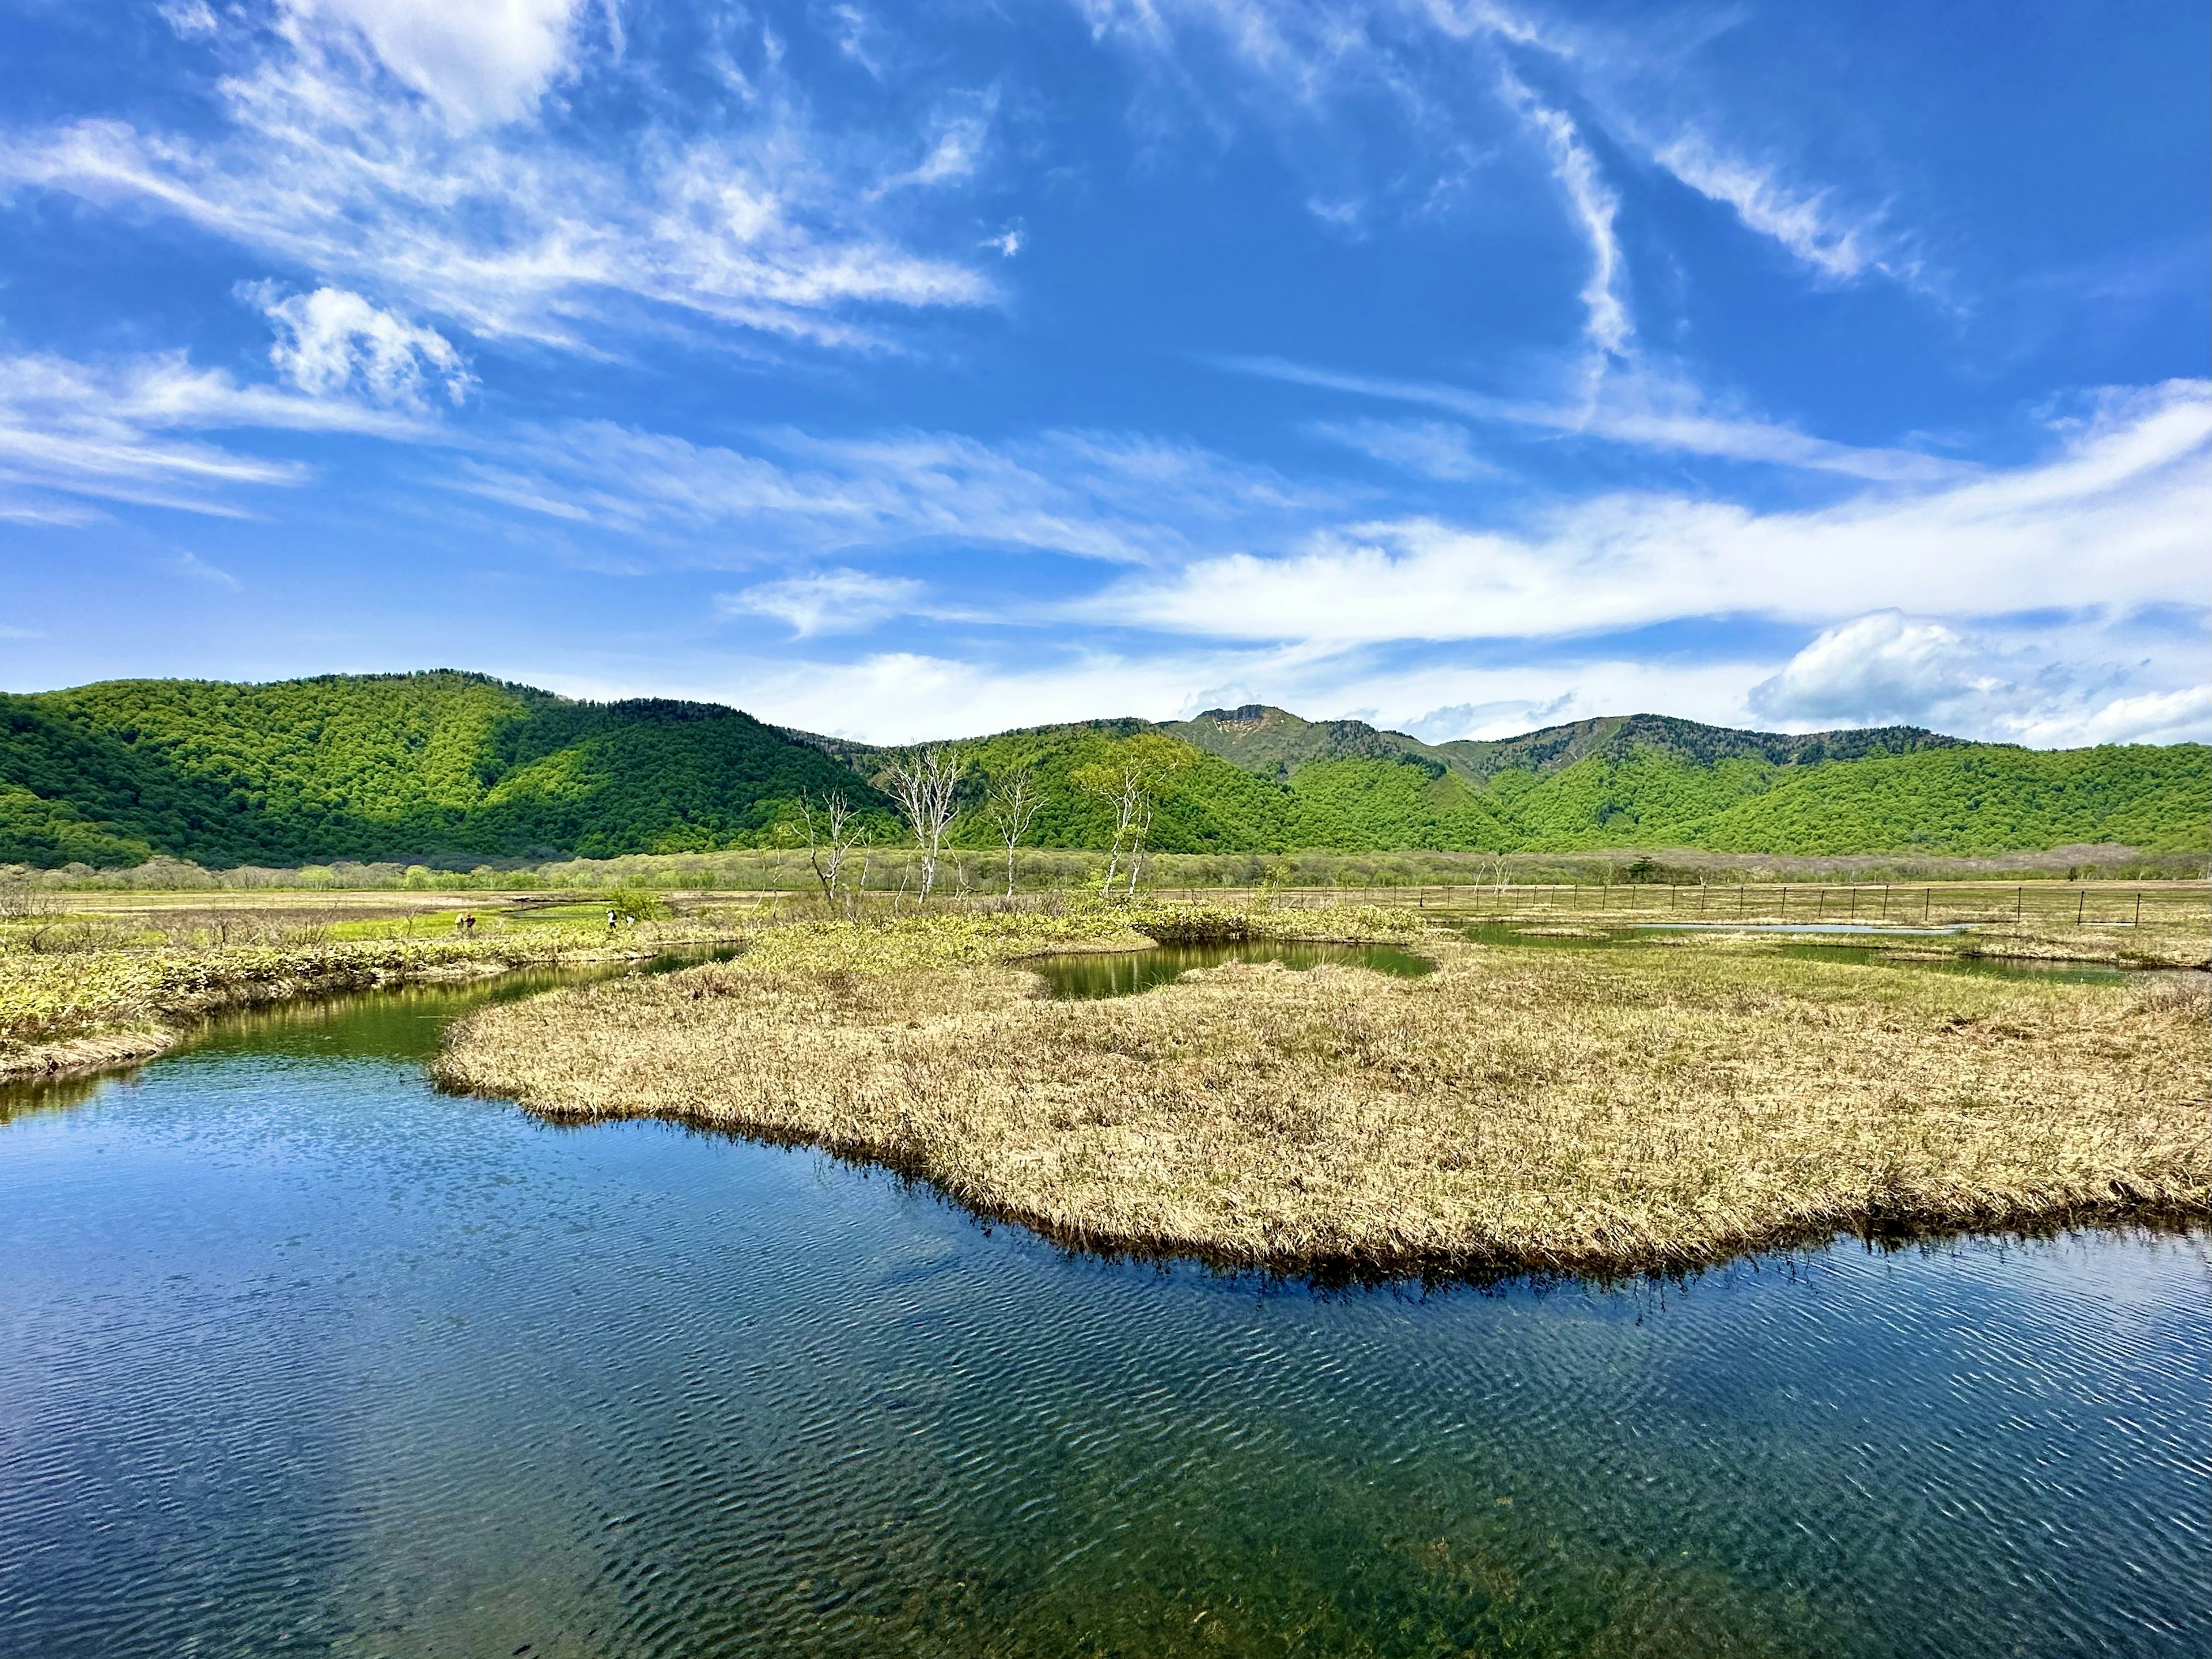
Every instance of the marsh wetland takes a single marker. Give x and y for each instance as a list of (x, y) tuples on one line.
[(306, 1355)]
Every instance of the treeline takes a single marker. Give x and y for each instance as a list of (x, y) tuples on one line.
[(445, 771), (1040, 870)]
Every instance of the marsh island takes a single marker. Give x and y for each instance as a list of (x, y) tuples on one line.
[(1599, 1108)]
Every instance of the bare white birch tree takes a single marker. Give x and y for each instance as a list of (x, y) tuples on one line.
[(922, 787), (1131, 780), (833, 830), (1010, 806)]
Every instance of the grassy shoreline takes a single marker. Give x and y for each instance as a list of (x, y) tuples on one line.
[(91, 1010), (1598, 1110)]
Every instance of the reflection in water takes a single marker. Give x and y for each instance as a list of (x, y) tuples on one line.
[(1646, 936), (1798, 927), (1125, 973), (2021, 967), (303, 1358), (28, 1095)]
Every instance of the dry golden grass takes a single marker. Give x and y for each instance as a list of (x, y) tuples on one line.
[(1519, 1108), (90, 1009)]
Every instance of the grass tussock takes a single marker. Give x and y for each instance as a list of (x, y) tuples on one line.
[(1586, 1110)]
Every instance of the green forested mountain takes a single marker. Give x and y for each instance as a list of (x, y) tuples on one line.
[(383, 766), (448, 766), (1274, 741), (1266, 780)]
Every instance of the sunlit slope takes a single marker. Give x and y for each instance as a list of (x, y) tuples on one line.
[(1640, 781), (383, 766), (449, 765), (1652, 780), (1981, 799)]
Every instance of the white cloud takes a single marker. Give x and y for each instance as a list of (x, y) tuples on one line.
[(516, 226), (1433, 449), (190, 565), (898, 697), (1880, 668), (477, 61), (860, 38), (2116, 518), (2182, 716), (827, 602), (1508, 717), (956, 151), (1307, 70), (65, 426), (1804, 223), (1102, 496), (189, 18), (332, 343), (1594, 204), (109, 431), (908, 696), (1887, 667), (1637, 407)]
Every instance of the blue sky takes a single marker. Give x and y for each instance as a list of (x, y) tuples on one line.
[(913, 373)]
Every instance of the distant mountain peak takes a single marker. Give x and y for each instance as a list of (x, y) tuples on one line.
[(1250, 716)]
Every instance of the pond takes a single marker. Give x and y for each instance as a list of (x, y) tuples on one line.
[(1126, 973), (1857, 949), (1797, 928), (301, 1357)]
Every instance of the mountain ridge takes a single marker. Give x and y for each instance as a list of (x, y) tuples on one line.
[(450, 765), (1255, 735)]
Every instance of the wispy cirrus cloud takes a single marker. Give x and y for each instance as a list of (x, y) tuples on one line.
[(1309, 65), (1430, 449), (1114, 497), (1805, 223), (1594, 205), (1637, 408), (117, 430), (401, 150)]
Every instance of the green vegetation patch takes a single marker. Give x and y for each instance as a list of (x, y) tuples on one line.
[(406, 766), (447, 767)]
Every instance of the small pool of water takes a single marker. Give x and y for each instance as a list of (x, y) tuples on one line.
[(1795, 928), (2024, 968), (1126, 973), (1867, 955)]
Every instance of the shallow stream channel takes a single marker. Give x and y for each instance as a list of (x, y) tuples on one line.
[(297, 1356)]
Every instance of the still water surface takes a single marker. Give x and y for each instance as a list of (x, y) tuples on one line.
[(1869, 955), (1126, 973), (299, 1356)]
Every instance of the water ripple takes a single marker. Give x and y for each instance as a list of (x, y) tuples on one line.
[(300, 1358)]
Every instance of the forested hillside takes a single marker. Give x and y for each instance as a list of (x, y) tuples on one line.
[(447, 767), (383, 766), (1265, 780)]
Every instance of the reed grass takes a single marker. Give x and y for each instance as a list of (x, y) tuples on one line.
[(1597, 1109)]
